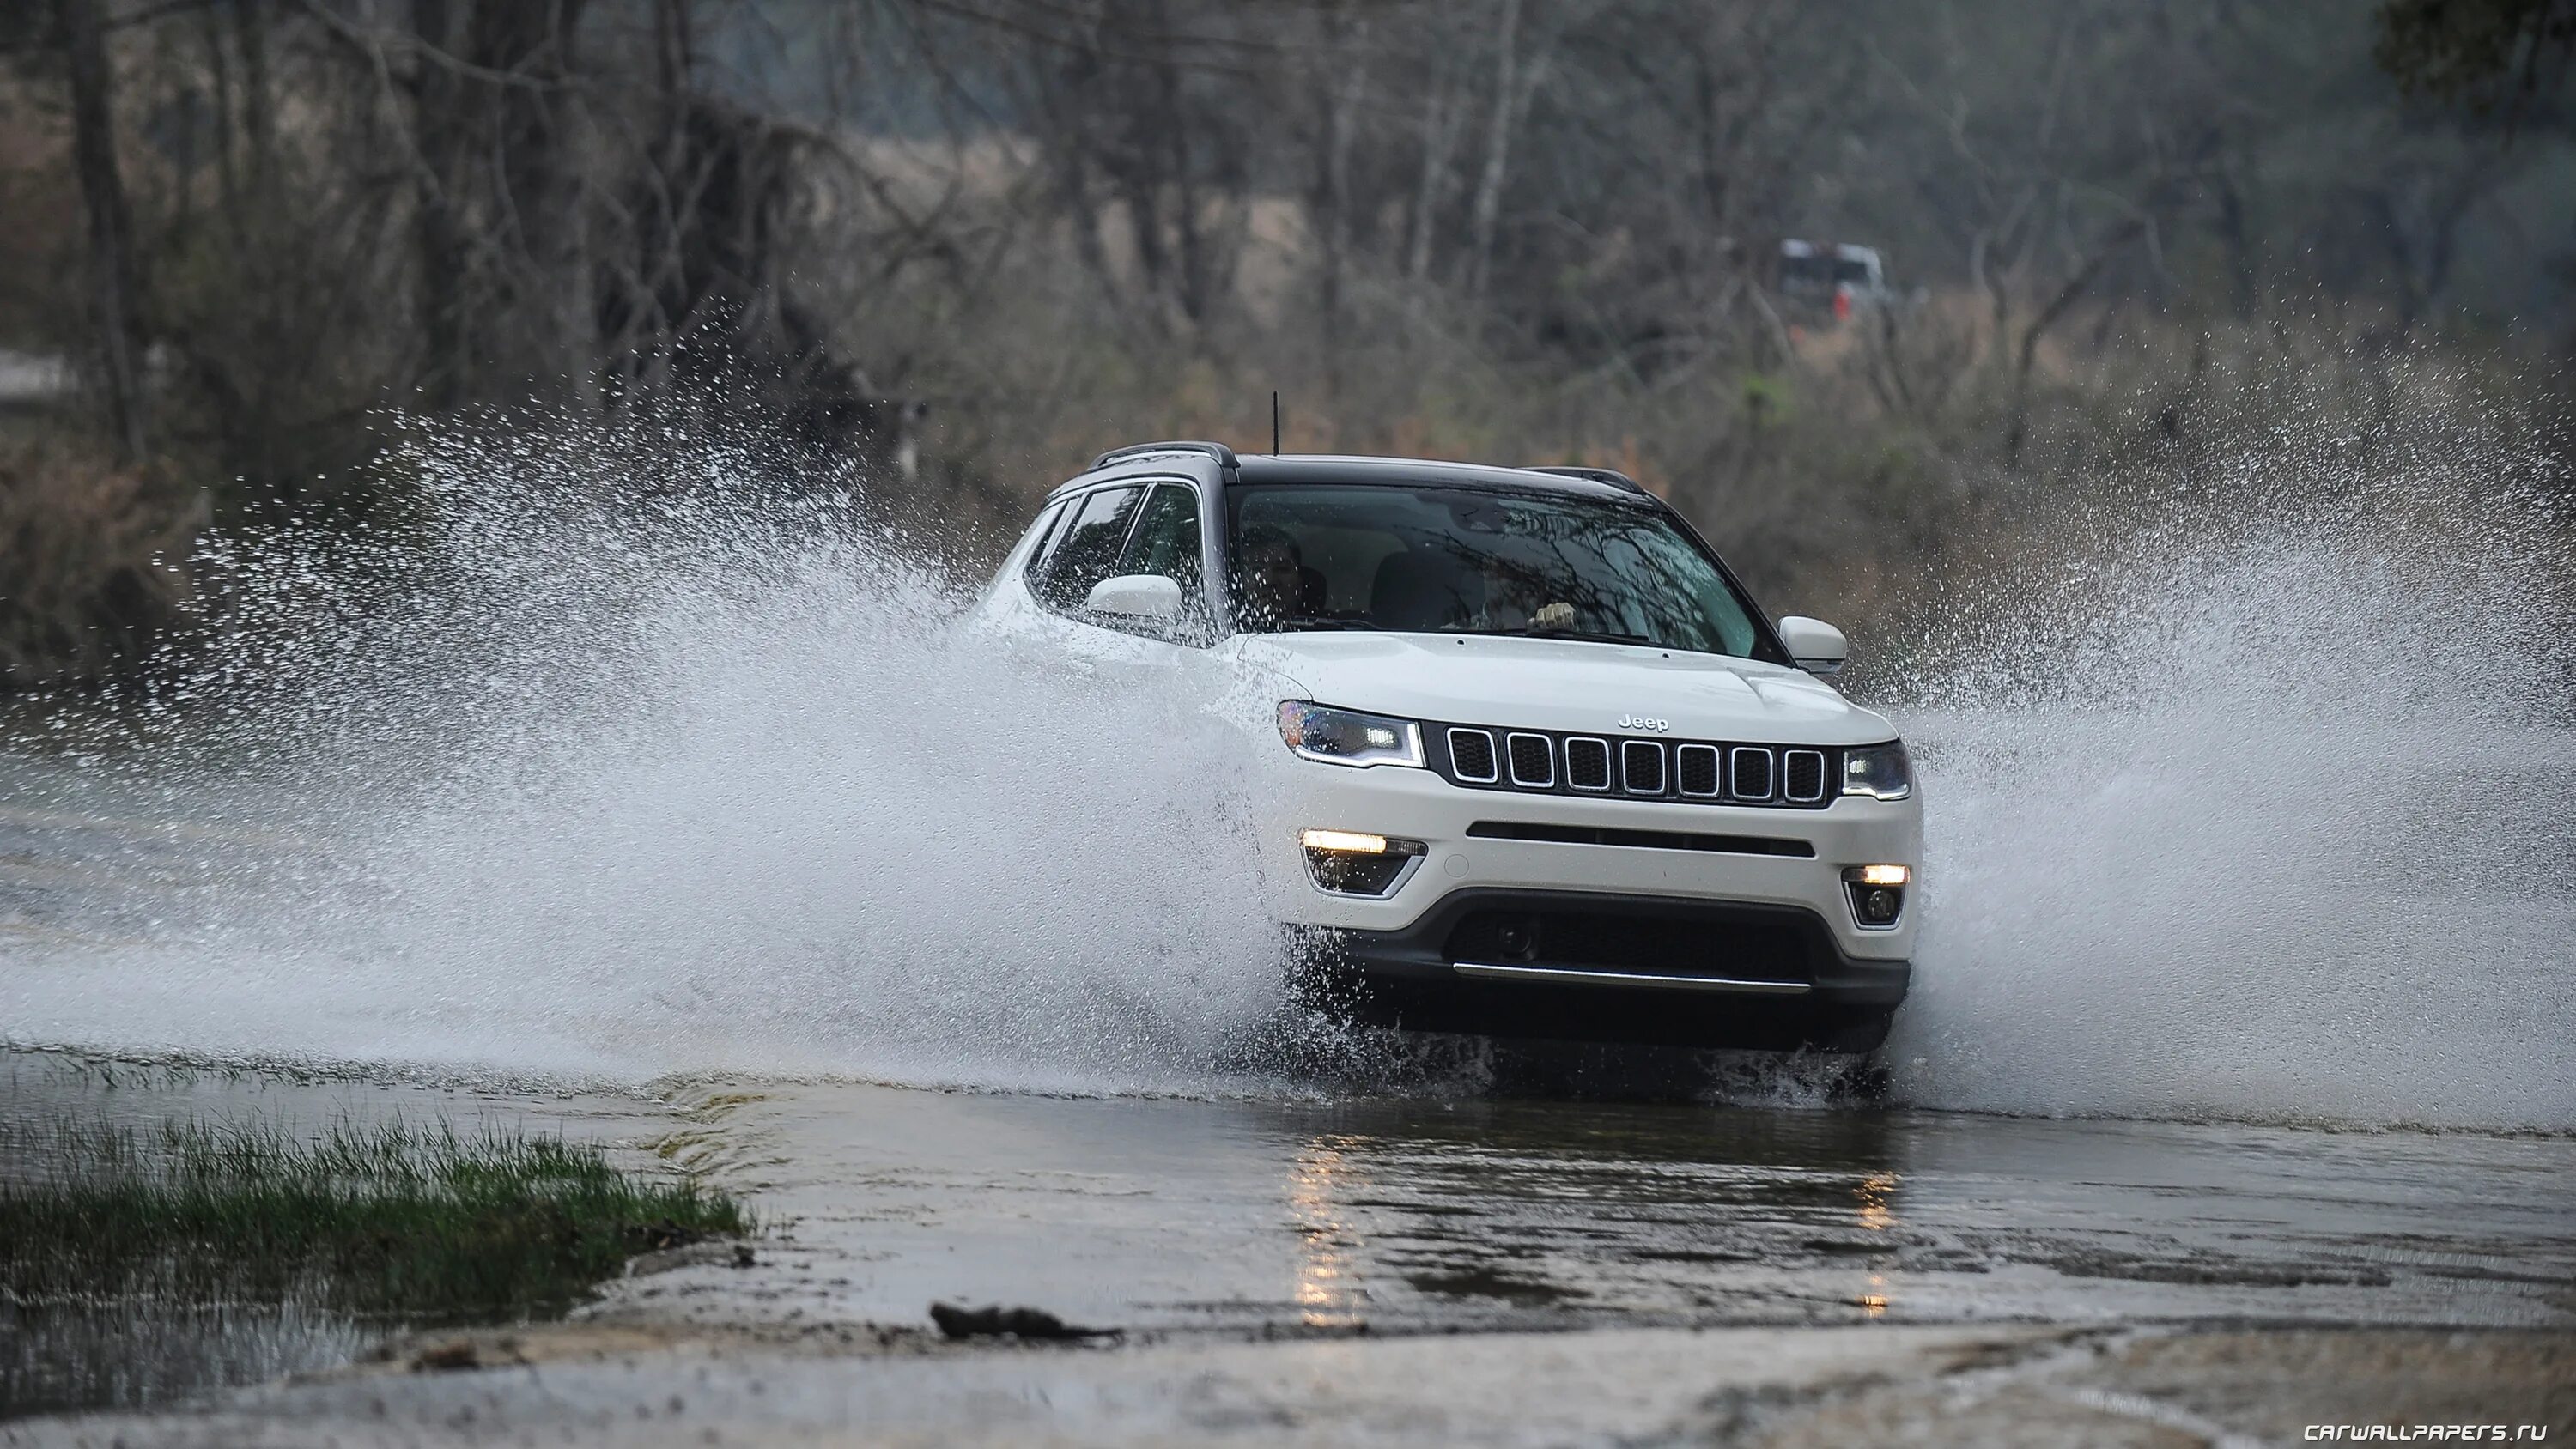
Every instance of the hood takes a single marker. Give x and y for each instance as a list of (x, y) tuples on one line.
[(1562, 684)]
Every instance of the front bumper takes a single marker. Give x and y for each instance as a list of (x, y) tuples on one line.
[(1642, 938), (1417, 804), (1638, 969)]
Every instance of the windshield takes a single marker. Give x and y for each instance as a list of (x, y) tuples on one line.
[(1444, 560)]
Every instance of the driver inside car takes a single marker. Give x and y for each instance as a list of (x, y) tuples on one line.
[(1269, 578)]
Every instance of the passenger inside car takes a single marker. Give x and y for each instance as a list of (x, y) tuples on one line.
[(1272, 583)]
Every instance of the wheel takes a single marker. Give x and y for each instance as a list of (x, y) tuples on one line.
[(1856, 1034)]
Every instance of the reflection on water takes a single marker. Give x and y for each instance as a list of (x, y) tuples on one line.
[(1320, 1180), (1536, 1213), (1876, 1195), (136, 1352), (1413, 1215), (1572, 1212)]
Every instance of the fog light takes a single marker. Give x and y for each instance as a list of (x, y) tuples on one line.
[(1877, 893), (1355, 863)]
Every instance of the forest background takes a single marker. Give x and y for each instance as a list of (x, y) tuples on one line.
[(921, 259)]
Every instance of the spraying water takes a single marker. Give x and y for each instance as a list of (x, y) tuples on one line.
[(691, 784), (700, 780), (2249, 806)]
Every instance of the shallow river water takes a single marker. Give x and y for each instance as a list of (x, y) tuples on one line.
[(1421, 1214), (1413, 1214), (2246, 991)]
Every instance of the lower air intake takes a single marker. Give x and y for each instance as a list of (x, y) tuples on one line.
[(1620, 941)]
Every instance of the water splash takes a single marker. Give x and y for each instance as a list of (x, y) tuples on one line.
[(2257, 809), (2245, 807), (693, 782)]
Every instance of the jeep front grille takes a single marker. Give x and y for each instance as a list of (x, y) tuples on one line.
[(1802, 775), (1587, 764), (1471, 755), (1704, 772), (1533, 761), (1696, 765), (1749, 772), (1641, 767)]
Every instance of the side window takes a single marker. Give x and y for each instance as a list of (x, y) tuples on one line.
[(1043, 536), (1167, 539), (1087, 550)]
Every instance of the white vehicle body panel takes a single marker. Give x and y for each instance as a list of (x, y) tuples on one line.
[(1392, 800), (1731, 868), (1567, 684), (1555, 684)]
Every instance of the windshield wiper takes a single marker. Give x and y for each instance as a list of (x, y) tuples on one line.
[(1319, 621), (1589, 636)]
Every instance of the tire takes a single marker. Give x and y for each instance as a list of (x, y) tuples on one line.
[(1857, 1034)]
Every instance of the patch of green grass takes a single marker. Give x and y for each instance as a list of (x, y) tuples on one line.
[(394, 1217)]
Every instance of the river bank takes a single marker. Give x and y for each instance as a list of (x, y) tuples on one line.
[(1784, 1388)]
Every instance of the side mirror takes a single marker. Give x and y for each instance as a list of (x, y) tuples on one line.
[(1818, 647), (1140, 596)]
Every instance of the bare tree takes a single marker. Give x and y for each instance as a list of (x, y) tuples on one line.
[(117, 294)]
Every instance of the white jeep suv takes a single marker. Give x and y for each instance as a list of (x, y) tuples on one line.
[(1553, 773)]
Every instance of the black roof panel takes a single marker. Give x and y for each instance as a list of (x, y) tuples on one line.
[(1199, 460), (1331, 468)]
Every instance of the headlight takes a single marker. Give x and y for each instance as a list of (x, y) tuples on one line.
[(1345, 737), (1880, 770)]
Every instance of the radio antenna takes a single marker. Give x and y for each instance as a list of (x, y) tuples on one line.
[(1274, 422)]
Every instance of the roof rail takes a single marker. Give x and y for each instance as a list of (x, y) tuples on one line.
[(1611, 476), (1224, 455)]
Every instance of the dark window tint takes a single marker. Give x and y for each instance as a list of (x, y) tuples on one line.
[(1045, 532), (1437, 559), (1088, 550), (1167, 539)]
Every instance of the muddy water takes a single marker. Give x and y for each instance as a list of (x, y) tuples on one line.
[(1418, 1214), (1424, 1215)]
